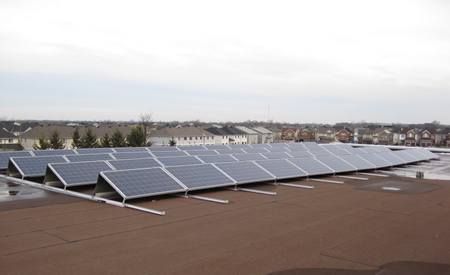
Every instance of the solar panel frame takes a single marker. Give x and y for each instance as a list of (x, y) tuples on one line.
[(245, 172), (33, 166), (196, 177), (138, 183), (5, 156), (77, 173), (281, 168)]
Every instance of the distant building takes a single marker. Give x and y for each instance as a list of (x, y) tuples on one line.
[(264, 135), (227, 135), (252, 135), (8, 141), (183, 136)]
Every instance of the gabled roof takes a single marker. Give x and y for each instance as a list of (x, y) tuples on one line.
[(6, 134), (189, 131), (66, 132), (246, 130), (262, 130)]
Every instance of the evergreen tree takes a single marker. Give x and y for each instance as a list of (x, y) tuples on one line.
[(172, 142), (76, 139), (106, 141), (117, 139), (137, 137), (54, 141), (42, 144), (19, 146), (89, 139)]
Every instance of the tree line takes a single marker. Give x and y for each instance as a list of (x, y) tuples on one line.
[(138, 137)]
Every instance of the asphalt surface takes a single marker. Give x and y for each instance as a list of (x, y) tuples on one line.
[(357, 227)]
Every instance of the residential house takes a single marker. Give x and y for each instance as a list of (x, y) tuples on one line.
[(227, 135), (277, 134), (410, 137), (385, 137), (325, 135), (183, 136), (17, 128), (264, 135), (65, 133), (252, 135), (345, 135), (443, 138), (8, 141), (307, 134), (289, 134), (426, 137)]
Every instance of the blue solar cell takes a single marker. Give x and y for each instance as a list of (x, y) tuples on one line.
[(201, 152), (301, 154), (337, 164), (278, 149), (281, 168), (94, 151), (358, 162), (244, 172), (256, 150), (217, 147), (321, 153), (200, 176), (78, 173), (164, 149), (140, 183), (230, 151), (375, 160), (163, 154), (277, 155), (130, 149), (4, 157), (33, 166), (393, 159), (311, 166)]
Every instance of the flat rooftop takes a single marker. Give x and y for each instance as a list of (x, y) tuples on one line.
[(384, 225)]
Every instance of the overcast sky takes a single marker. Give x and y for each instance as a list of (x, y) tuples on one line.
[(290, 61)]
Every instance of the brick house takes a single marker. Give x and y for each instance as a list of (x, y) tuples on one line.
[(427, 137), (410, 137), (345, 135), (289, 134), (443, 138), (307, 134)]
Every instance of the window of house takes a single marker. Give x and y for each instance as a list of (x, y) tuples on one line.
[(190, 138), (410, 135), (185, 138), (425, 135), (10, 140)]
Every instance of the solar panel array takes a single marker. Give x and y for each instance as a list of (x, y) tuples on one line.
[(137, 172)]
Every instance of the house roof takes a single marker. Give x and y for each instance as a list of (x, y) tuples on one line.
[(66, 132), (188, 131), (6, 134), (246, 130), (262, 130)]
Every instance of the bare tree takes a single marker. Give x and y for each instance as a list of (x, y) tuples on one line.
[(146, 121)]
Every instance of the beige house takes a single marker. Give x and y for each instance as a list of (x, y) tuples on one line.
[(32, 136), (183, 136)]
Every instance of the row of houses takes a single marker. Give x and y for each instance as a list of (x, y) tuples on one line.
[(182, 135), (382, 136)]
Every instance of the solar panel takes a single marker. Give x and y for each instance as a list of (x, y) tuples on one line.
[(126, 164), (217, 147), (192, 148), (164, 149), (369, 149), (301, 154), (139, 183), (281, 168), (4, 157), (240, 146), (418, 153), (201, 152), (244, 172), (176, 161), (130, 149), (337, 164), (298, 148), (278, 149), (311, 166), (358, 162), (259, 145), (427, 153), (277, 145), (200, 176), (132, 155), (162, 154), (383, 149), (246, 157), (77, 173), (62, 152), (312, 146), (94, 151), (217, 159), (89, 157), (339, 152), (391, 158), (32, 166), (277, 155), (330, 147), (321, 153), (405, 156), (355, 151), (375, 160), (256, 150), (229, 151)]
